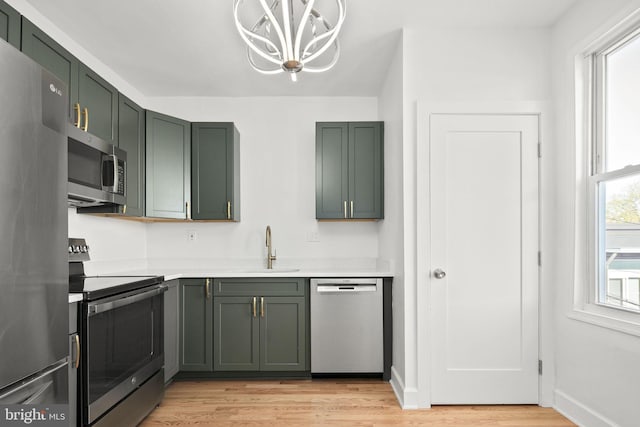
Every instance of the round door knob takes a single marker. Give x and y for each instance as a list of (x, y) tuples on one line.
[(439, 274)]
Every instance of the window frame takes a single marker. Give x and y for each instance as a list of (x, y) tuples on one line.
[(591, 96)]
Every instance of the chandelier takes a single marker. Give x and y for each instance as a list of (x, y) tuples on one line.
[(289, 35)]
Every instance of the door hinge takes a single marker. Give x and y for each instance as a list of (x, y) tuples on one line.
[(539, 259), (539, 367), (539, 150)]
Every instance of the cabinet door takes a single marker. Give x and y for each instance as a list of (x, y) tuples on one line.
[(236, 335), (366, 170), (168, 163), (100, 100), (131, 138), (171, 327), (282, 334), (49, 54), (195, 326), (215, 171), (9, 25), (332, 184)]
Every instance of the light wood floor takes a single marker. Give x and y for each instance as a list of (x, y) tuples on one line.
[(323, 402)]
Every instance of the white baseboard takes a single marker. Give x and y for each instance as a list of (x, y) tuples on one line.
[(579, 413), (407, 397)]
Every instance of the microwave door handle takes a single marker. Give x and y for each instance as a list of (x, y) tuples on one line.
[(116, 178)]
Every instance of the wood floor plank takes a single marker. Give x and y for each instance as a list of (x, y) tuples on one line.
[(367, 403)]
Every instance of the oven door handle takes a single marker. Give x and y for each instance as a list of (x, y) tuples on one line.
[(98, 307)]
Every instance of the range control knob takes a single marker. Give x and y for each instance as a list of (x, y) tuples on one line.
[(70, 249)]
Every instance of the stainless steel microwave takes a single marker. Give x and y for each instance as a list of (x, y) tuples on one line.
[(97, 170)]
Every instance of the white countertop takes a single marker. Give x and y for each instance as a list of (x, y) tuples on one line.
[(171, 273)]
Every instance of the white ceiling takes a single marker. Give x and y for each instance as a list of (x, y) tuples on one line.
[(191, 47)]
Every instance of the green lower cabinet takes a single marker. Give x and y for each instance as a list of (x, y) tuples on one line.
[(196, 335), (236, 336), (282, 334), (260, 328)]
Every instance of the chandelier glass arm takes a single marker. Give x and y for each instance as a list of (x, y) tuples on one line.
[(303, 22), (332, 34), (276, 25), (249, 36)]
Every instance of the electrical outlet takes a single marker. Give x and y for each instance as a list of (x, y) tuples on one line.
[(191, 236), (313, 236)]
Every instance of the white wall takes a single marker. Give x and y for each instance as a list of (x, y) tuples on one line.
[(391, 229), (455, 70), (116, 245), (277, 163), (597, 375)]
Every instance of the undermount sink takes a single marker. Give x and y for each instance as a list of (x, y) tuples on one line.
[(271, 270)]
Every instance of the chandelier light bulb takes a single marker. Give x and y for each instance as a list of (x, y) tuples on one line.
[(290, 35)]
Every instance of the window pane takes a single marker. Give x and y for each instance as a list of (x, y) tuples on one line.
[(619, 258), (623, 106)]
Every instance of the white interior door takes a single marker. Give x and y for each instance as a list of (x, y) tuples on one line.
[(484, 244)]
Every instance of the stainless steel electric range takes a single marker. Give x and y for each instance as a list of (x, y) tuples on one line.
[(121, 376)]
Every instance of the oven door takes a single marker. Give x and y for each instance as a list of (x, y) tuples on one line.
[(123, 338)]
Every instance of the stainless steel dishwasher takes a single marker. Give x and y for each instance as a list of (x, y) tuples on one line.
[(346, 326)]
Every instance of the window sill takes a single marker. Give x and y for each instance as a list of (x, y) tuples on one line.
[(607, 321)]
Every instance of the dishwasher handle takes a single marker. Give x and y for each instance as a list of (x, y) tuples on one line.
[(349, 288)]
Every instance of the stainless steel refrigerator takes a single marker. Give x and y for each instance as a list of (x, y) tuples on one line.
[(34, 316)]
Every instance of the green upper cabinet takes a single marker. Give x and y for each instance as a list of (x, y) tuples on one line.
[(349, 170), (9, 24), (168, 167), (131, 131), (98, 103), (93, 101), (215, 171)]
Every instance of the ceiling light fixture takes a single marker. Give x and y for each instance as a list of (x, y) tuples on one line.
[(289, 35)]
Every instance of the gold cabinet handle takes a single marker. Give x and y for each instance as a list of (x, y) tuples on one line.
[(345, 209), (254, 307), (77, 339), (207, 288), (261, 306), (124, 210), (76, 110), (352, 209), (187, 213), (85, 113), (228, 209)]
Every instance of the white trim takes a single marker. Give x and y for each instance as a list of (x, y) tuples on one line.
[(589, 160), (579, 413), (546, 331), (407, 397), (604, 319)]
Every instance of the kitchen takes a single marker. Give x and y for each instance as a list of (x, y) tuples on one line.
[(475, 67)]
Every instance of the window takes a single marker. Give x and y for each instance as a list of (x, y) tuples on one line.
[(614, 181)]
